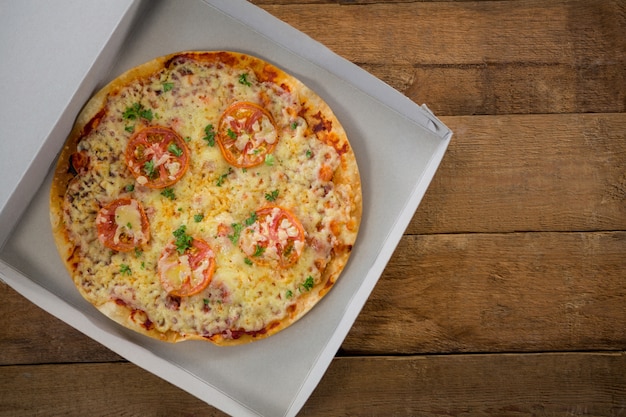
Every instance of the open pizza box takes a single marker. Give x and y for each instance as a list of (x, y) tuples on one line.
[(50, 68)]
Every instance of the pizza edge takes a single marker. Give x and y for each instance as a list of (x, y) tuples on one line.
[(316, 112)]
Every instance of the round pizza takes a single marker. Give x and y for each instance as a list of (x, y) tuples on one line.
[(206, 195)]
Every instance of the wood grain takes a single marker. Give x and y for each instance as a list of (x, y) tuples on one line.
[(529, 173), (589, 384), (466, 58), (514, 292)]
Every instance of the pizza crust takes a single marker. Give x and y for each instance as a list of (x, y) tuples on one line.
[(321, 122)]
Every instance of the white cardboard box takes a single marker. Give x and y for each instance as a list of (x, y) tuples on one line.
[(398, 146)]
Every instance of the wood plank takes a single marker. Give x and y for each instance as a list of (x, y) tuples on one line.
[(468, 58), (515, 292), (466, 33), (529, 173), (488, 385), (33, 336)]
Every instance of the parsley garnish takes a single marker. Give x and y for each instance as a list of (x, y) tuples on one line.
[(271, 196), (247, 261), (209, 133), (129, 128), (258, 251), (243, 79), (198, 217), (237, 228), (294, 125), (125, 269), (250, 220), (169, 193), (231, 134), (167, 87), (269, 159), (289, 294), (149, 168), (307, 285), (222, 177), (183, 240), (174, 149), (309, 154), (137, 111), (129, 188)]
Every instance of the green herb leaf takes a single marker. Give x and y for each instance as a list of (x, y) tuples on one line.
[(269, 159), (308, 284), (237, 228), (183, 240), (272, 196), (136, 111), (174, 149), (294, 125), (169, 193), (125, 269), (222, 177), (243, 79), (130, 188), (231, 134), (167, 87), (148, 166), (250, 220), (248, 261), (209, 132), (289, 294), (198, 217), (309, 154), (129, 128), (258, 251)]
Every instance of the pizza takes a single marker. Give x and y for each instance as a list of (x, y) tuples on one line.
[(206, 195)]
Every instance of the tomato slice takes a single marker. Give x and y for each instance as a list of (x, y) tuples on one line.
[(276, 238), (246, 134), (187, 273), (157, 156), (122, 225)]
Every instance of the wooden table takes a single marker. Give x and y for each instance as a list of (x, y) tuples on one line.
[(507, 294)]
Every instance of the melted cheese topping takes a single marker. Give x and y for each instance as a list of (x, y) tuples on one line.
[(212, 194)]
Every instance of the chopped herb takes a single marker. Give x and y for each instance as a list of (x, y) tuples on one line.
[(169, 193), (183, 240), (243, 79), (125, 269), (129, 225), (289, 294), (307, 285), (231, 134), (271, 196), (138, 252), (206, 301), (137, 111), (143, 265), (258, 251), (222, 177), (173, 148), (250, 220), (294, 125), (167, 87), (130, 187), (237, 228), (247, 261), (149, 168), (209, 133), (269, 159), (198, 217), (309, 154), (129, 128)]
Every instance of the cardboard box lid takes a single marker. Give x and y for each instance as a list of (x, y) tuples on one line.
[(51, 53)]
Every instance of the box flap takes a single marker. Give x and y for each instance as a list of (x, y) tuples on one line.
[(49, 55)]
